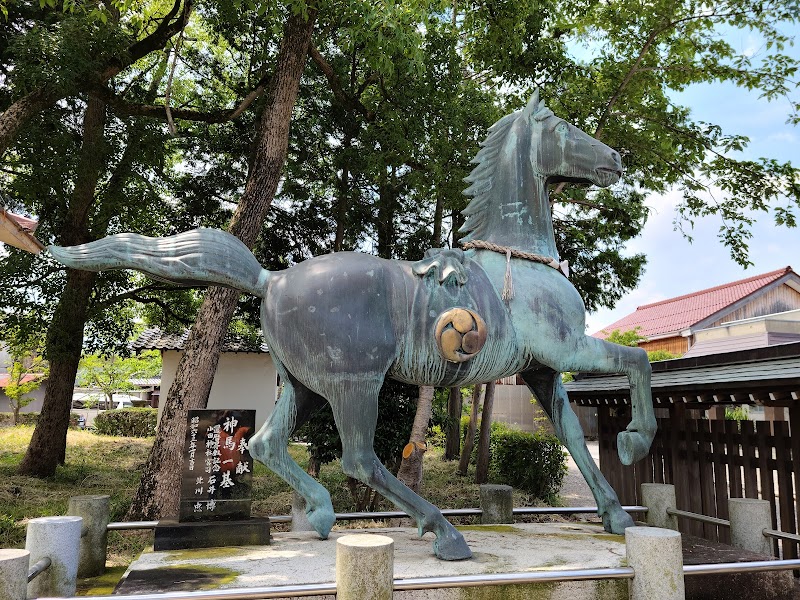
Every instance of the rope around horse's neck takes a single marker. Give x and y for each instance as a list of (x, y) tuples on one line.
[(508, 284)]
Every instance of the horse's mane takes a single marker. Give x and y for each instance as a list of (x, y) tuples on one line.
[(481, 177)]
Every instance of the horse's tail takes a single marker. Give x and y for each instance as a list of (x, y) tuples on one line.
[(197, 257)]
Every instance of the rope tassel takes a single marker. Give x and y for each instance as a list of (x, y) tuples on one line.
[(508, 282)]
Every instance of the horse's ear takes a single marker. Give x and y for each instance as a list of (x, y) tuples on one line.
[(536, 108), (533, 104)]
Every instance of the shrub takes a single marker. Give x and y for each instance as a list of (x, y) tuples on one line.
[(533, 462), (127, 422), (31, 418)]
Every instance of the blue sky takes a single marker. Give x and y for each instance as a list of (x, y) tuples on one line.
[(674, 265)]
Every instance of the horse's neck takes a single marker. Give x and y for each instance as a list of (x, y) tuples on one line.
[(524, 220)]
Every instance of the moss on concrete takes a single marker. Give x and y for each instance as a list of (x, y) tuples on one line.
[(535, 591), (204, 553), (492, 528), (102, 585)]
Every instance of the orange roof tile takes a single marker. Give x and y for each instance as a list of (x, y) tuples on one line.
[(676, 314)]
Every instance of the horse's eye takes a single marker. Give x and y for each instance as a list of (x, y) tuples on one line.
[(562, 128)]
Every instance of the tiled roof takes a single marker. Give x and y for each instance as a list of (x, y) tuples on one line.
[(5, 378), (155, 339), (676, 314), (145, 381)]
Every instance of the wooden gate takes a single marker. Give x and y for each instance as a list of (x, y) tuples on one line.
[(709, 461)]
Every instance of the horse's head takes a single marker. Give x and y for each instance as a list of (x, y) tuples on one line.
[(562, 152)]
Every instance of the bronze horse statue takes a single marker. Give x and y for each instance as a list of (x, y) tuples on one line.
[(338, 324)]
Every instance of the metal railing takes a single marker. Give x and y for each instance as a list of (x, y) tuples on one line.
[(39, 567), (397, 514), (698, 517)]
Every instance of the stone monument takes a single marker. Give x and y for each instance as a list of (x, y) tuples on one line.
[(216, 485)]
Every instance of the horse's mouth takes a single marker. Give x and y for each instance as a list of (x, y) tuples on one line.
[(608, 176)]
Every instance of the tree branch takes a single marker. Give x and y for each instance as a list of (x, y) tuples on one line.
[(341, 96)]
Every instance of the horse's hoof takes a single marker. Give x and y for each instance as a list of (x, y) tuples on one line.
[(632, 446), (616, 520), (322, 520), (451, 546)]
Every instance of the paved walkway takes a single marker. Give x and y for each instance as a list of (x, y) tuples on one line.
[(575, 491)]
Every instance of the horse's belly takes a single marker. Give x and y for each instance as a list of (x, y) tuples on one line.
[(423, 360)]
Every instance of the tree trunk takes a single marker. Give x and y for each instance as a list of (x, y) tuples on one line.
[(469, 441), (482, 466), (16, 115), (438, 214), (452, 447), (159, 489), (410, 471), (65, 334)]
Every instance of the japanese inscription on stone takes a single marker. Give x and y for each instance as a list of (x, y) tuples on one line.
[(218, 469)]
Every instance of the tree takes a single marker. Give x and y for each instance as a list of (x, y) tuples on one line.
[(112, 374), (26, 373), (158, 492), (482, 463), (469, 440)]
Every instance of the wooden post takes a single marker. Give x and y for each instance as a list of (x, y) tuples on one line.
[(482, 468)]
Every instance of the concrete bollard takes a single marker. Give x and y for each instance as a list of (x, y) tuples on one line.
[(364, 567), (300, 520), (14, 574), (749, 517), (96, 513), (497, 504), (58, 538), (656, 557), (658, 497)]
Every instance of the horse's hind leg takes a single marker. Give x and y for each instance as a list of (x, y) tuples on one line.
[(269, 445), (355, 408), (546, 386)]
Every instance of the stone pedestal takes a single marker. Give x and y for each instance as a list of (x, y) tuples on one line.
[(58, 538), (364, 567), (658, 497), (96, 513), (656, 557), (173, 535), (497, 503), (749, 517), (13, 574)]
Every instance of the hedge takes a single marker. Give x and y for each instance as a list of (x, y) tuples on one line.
[(533, 462), (127, 422), (31, 418)]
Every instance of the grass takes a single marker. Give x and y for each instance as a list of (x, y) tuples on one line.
[(98, 464)]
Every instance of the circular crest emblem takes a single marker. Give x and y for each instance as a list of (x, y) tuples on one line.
[(460, 334)]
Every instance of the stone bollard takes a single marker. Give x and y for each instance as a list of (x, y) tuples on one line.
[(58, 538), (96, 513), (13, 574), (497, 504), (364, 567), (749, 517), (658, 497), (656, 557), (300, 520)]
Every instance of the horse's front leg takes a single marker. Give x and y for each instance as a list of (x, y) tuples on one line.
[(598, 356), (547, 387), (355, 409)]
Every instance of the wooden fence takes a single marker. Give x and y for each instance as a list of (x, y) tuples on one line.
[(709, 461)]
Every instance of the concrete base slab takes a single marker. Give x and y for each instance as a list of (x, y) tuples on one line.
[(301, 557)]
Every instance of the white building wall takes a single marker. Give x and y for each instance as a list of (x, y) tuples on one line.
[(245, 380)]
